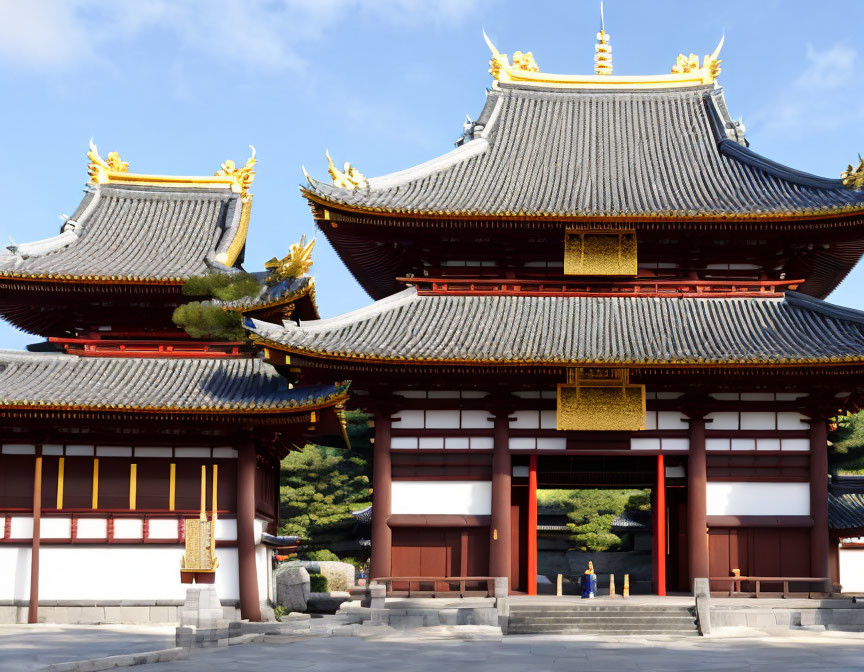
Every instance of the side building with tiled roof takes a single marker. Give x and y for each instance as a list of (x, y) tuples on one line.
[(603, 283), (128, 449)]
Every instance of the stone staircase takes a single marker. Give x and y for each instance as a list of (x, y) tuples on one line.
[(602, 619)]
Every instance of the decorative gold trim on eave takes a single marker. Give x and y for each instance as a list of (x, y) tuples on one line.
[(174, 410), (228, 257), (723, 217), (115, 171), (655, 363), (290, 298), (91, 279)]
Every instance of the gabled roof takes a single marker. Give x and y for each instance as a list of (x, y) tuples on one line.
[(579, 330), (49, 381), (599, 153), (139, 228), (133, 233), (273, 297)]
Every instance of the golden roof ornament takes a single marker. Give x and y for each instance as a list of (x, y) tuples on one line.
[(241, 177), (525, 61), (295, 264), (710, 64), (99, 168), (602, 49), (854, 177), (349, 177)]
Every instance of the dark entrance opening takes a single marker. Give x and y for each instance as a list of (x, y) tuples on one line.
[(640, 551)]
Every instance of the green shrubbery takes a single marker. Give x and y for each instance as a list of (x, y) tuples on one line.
[(318, 583), (202, 319), (590, 513)]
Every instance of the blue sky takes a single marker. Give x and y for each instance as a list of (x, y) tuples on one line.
[(177, 87)]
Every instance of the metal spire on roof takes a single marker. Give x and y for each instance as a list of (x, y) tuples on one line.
[(602, 50)]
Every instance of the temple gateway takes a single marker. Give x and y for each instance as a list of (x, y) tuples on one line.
[(602, 285)]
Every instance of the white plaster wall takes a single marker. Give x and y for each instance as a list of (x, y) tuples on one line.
[(14, 572), (122, 573), (164, 528), (758, 499), (442, 497), (263, 569), (852, 570)]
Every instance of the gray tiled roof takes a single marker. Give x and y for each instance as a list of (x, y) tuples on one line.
[(599, 153), (230, 385), (573, 330), (846, 504), (286, 290), (134, 232)]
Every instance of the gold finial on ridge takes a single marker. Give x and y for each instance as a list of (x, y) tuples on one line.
[(602, 50), (99, 168), (854, 177), (241, 177), (349, 177), (295, 264)]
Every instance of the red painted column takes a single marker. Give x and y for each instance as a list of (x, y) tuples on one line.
[(819, 564), (502, 472), (660, 528), (382, 479), (33, 610), (532, 526), (697, 511), (249, 605)]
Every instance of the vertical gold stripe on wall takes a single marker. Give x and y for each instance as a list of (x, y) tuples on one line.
[(133, 485), (203, 490), (95, 503), (61, 466), (171, 487)]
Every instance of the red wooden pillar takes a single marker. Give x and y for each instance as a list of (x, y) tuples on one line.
[(502, 472), (819, 564), (249, 605), (660, 528), (532, 526), (382, 479), (33, 609), (697, 512)]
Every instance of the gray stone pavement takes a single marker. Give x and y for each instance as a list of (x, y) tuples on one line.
[(804, 651), (30, 647)]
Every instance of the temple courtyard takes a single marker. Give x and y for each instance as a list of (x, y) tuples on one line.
[(27, 648)]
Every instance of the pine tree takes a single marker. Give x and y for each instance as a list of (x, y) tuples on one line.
[(846, 440), (320, 487)]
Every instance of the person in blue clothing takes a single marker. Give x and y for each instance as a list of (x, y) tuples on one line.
[(589, 582)]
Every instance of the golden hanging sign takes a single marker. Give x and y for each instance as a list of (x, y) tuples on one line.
[(600, 400)]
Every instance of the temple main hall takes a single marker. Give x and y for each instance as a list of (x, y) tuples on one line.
[(602, 285)]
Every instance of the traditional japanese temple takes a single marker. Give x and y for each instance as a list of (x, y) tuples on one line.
[(120, 432), (602, 285)]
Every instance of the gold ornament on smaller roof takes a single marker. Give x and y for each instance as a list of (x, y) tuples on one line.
[(854, 177), (242, 177), (525, 61), (295, 264), (349, 177)]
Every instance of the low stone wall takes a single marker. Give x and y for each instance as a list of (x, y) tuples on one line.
[(846, 618), (95, 613)]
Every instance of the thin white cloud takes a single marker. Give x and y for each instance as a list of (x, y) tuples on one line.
[(826, 95), (67, 34)]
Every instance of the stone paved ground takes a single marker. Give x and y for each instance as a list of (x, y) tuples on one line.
[(536, 654), (30, 647)]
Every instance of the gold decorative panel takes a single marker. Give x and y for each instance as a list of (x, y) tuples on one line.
[(604, 402), (589, 252), (199, 555)]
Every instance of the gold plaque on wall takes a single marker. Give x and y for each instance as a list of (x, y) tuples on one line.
[(604, 402), (588, 252)]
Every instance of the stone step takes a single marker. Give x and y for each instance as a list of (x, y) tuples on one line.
[(620, 632), (665, 622)]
